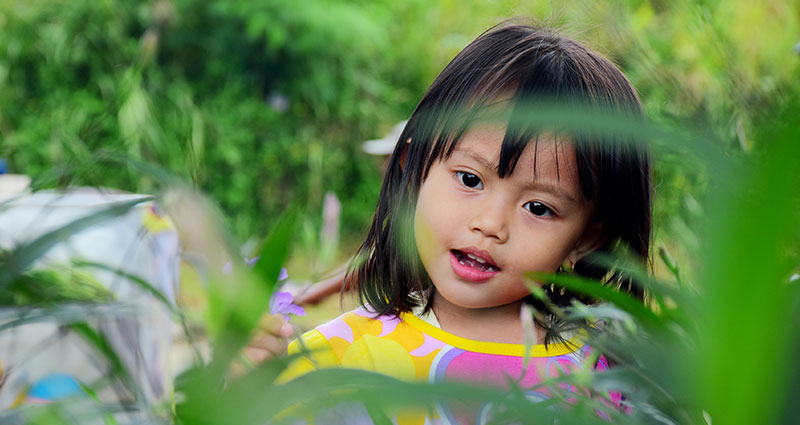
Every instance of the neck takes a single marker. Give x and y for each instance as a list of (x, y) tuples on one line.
[(492, 324)]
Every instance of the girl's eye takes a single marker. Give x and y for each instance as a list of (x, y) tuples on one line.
[(469, 180), (538, 209)]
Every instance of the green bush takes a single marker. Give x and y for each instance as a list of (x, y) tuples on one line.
[(259, 104)]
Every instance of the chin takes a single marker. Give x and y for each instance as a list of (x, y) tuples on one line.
[(477, 301)]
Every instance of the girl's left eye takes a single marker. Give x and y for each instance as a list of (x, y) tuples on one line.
[(539, 209), (469, 180)]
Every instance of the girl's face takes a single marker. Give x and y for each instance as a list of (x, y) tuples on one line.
[(478, 234)]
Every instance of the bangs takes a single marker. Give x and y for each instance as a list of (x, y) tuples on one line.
[(518, 134), (494, 105)]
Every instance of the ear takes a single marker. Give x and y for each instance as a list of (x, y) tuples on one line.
[(593, 237)]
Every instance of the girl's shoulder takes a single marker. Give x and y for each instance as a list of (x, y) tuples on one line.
[(339, 334), (357, 323), (358, 339), (412, 331)]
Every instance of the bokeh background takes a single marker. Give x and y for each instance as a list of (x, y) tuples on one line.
[(263, 104)]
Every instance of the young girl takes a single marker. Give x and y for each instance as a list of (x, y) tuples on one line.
[(470, 204)]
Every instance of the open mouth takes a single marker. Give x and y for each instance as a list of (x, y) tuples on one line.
[(474, 261)]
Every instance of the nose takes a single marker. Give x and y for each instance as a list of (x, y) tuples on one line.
[(491, 220)]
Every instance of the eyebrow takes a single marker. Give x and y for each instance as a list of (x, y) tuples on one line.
[(553, 189), (537, 185), (481, 160)]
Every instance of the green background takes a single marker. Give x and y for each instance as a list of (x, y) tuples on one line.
[(191, 86)]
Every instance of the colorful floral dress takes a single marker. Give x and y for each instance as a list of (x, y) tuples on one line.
[(412, 349)]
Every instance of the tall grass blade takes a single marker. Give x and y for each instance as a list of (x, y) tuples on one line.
[(245, 303), (597, 290), (747, 334), (23, 256)]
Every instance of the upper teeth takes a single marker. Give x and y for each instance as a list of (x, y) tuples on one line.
[(478, 259)]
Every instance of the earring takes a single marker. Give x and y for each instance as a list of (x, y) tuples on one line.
[(567, 266)]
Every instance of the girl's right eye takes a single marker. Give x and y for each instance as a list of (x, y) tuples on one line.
[(469, 180)]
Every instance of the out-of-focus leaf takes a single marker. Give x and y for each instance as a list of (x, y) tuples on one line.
[(137, 280), (597, 290), (745, 324), (99, 343), (21, 257), (245, 298)]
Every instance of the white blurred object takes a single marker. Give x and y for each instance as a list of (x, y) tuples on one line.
[(278, 102), (386, 144), (141, 242), (11, 184)]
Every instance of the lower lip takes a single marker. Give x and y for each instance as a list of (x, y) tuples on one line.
[(469, 273)]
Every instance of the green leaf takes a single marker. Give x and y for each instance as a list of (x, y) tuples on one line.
[(249, 296), (600, 291), (145, 285), (23, 256), (99, 343)]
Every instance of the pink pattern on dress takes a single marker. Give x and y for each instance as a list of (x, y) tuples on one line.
[(429, 345), (337, 328), (489, 369), (363, 312), (389, 324)]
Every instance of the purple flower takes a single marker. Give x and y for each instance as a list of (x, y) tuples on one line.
[(281, 303), (227, 268)]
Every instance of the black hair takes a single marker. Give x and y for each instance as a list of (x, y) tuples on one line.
[(529, 64)]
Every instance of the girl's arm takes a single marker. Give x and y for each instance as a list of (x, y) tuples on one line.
[(322, 290)]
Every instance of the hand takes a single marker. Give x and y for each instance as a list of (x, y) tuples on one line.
[(271, 340)]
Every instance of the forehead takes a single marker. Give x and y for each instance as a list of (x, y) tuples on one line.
[(547, 157)]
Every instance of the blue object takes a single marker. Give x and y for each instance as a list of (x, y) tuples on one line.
[(55, 387), (2, 166)]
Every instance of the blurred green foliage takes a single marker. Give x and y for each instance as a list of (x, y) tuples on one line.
[(258, 104), (53, 285), (264, 103)]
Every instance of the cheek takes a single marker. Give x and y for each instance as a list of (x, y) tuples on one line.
[(430, 224), (429, 231), (546, 254), (423, 234)]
